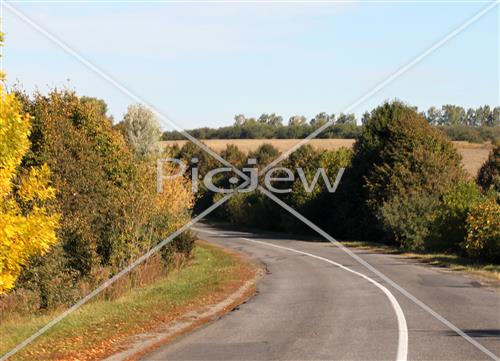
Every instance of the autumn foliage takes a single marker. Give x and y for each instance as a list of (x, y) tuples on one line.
[(27, 228), (483, 231), (111, 213)]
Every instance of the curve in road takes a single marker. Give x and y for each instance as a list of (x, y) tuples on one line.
[(402, 352), (310, 310)]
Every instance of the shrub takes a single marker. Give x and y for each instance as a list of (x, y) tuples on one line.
[(258, 210), (489, 174), (310, 161), (483, 231), (307, 158), (473, 134), (183, 244), (414, 157), (463, 133), (49, 278), (205, 163), (410, 218), (93, 170), (450, 225), (264, 154), (491, 133), (234, 210), (252, 209), (233, 155), (398, 153), (110, 211)]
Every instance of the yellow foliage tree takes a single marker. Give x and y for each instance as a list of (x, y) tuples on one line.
[(27, 228)]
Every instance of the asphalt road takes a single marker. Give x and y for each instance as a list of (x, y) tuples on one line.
[(318, 303)]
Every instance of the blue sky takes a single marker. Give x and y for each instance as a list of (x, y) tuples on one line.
[(200, 64)]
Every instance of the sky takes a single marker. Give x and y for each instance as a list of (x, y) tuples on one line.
[(200, 64)]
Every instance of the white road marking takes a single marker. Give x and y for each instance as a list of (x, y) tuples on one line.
[(389, 281), (402, 352)]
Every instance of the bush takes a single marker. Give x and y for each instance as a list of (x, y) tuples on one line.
[(314, 204), (256, 209), (462, 133), (473, 134), (450, 225), (93, 170), (483, 231), (182, 244), (205, 163), (264, 154), (491, 133), (233, 155), (251, 209), (398, 158), (489, 174), (410, 218), (110, 211)]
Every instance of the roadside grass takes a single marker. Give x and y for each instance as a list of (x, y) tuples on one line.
[(451, 261), (96, 329)]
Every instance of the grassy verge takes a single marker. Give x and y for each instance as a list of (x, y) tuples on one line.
[(96, 329), (451, 261)]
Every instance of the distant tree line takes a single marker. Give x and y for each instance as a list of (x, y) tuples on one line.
[(475, 125)]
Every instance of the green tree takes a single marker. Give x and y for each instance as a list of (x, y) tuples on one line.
[(297, 120), (346, 119), (494, 119), (92, 169), (365, 118), (489, 174), (271, 119), (451, 215), (471, 118), (264, 154), (233, 155), (453, 114), (434, 116), (321, 119), (110, 211), (482, 116), (397, 154), (239, 119)]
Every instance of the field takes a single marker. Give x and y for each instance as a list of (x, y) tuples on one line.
[(473, 155)]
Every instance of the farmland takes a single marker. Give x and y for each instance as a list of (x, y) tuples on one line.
[(473, 155)]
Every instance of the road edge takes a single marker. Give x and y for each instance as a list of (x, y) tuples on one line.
[(147, 342)]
